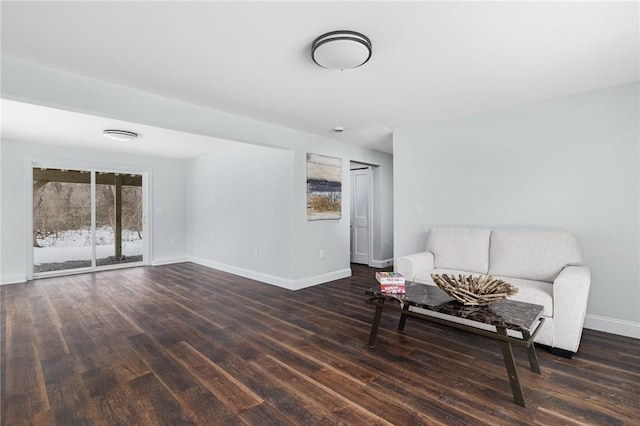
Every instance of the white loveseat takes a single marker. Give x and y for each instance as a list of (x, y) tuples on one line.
[(544, 264)]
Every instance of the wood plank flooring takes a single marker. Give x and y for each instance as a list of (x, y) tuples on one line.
[(184, 344)]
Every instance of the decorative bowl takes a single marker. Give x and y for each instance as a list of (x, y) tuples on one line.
[(474, 291)]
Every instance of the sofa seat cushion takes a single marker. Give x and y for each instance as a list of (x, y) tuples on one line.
[(536, 292), (466, 249), (529, 291)]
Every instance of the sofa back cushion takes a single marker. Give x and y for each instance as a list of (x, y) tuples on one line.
[(532, 254), (465, 249)]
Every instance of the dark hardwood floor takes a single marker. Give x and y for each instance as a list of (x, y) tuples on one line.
[(184, 344)]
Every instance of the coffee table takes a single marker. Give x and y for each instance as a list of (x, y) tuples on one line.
[(524, 318)]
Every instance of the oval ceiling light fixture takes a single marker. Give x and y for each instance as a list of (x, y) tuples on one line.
[(340, 50), (338, 129), (120, 135)]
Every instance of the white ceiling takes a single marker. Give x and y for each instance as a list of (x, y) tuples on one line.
[(34, 123), (432, 61)]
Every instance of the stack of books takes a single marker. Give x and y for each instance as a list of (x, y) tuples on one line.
[(391, 282)]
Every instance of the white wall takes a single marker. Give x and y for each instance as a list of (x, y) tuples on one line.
[(168, 180), (241, 200), (570, 163), (27, 82)]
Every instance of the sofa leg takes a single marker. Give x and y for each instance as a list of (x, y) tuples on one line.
[(561, 352)]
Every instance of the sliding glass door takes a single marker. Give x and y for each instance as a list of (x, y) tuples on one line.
[(86, 220)]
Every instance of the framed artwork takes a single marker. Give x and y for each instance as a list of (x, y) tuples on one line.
[(324, 187)]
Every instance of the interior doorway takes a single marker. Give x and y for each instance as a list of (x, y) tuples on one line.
[(361, 212), (85, 220)]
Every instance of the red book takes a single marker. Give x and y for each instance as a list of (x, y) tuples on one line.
[(393, 288)]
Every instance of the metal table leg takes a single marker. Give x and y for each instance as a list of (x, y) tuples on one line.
[(403, 317), (376, 324), (531, 353), (510, 363)]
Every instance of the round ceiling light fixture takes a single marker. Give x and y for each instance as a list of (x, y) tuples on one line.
[(340, 50), (120, 135)]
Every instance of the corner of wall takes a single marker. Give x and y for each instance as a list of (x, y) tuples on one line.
[(381, 263), (321, 279), (258, 276), (286, 283)]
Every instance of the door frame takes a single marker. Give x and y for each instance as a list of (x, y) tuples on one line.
[(92, 167), (361, 166)]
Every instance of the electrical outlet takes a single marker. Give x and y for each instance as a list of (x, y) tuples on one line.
[(418, 208), (321, 253), (172, 241)]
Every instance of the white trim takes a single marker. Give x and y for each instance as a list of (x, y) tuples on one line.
[(94, 211), (612, 325), (370, 213), (17, 279), (109, 267), (1, 178), (272, 279), (369, 174), (147, 216), (87, 270), (258, 276), (381, 263), (28, 225), (321, 279), (60, 273), (170, 261)]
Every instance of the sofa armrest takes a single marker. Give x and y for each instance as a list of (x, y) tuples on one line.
[(570, 295), (412, 264)]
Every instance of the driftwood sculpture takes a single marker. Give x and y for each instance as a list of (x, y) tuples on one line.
[(474, 291)]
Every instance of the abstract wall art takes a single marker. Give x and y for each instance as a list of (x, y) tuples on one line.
[(324, 187)]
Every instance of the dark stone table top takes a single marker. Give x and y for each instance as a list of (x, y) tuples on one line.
[(506, 313)]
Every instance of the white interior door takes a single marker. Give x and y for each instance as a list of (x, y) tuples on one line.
[(360, 216)]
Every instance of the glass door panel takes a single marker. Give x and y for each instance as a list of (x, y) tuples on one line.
[(61, 220), (118, 218)]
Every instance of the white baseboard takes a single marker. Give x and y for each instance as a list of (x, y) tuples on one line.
[(14, 280), (381, 263), (247, 273), (169, 261), (323, 278), (612, 325), (289, 284)]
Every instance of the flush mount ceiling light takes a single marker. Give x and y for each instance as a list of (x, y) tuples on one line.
[(120, 135), (340, 50)]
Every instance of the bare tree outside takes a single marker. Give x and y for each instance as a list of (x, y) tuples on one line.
[(58, 207)]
